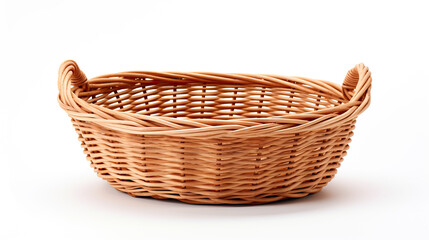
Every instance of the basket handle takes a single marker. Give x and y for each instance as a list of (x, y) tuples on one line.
[(357, 83), (70, 76), (70, 73)]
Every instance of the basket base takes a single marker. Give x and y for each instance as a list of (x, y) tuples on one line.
[(251, 200), (231, 201)]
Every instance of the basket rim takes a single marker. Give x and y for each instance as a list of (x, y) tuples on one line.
[(71, 85)]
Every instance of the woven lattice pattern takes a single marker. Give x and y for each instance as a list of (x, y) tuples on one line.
[(214, 138)]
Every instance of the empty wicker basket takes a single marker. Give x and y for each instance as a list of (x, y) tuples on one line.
[(213, 138)]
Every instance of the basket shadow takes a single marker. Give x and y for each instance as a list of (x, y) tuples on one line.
[(337, 193)]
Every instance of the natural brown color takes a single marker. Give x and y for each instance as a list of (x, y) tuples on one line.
[(213, 138)]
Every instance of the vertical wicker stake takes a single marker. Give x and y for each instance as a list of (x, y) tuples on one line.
[(212, 138)]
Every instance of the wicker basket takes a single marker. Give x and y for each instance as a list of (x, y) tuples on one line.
[(212, 138)]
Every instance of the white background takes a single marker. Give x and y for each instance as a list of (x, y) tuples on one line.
[(49, 191)]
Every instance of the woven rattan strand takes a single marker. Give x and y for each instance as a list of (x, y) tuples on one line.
[(213, 138)]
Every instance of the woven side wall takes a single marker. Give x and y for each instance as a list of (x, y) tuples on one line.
[(220, 170)]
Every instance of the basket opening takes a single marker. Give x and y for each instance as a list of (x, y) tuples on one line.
[(210, 100)]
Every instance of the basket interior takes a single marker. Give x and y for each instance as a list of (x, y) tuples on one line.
[(214, 101)]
